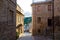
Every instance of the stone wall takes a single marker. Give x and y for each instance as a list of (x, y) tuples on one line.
[(7, 21), (40, 10), (57, 13)]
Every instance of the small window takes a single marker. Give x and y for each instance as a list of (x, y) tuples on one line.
[(10, 17), (38, 8), (49, 7), (21, 30), (38, 30), (49, 22), (19, 18), (38, 19)]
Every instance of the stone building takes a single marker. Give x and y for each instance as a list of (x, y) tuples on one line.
[(57, 13), (7, 20), (41, 14), (42, 17), (19, 20)]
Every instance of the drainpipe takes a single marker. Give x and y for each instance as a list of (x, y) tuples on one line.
[(53, 18)]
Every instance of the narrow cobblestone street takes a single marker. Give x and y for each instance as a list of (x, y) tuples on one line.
[(28, 36)]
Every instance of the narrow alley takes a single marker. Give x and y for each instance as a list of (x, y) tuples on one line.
[(38, 18), (28, 36)]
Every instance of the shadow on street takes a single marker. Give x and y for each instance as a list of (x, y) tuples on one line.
[(28, 36)]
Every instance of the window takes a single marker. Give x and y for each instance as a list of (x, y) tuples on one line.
[(49, 22), (19, 18), (38, 8), (38, 19), (11, 15), (21, 30), (39, 31), (49, 7)]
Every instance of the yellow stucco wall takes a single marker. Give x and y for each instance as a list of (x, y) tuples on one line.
[(19, 20)]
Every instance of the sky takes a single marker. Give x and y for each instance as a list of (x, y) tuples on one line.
[(26, 6)]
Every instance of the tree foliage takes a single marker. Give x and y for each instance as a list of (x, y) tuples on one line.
[(27, 20)]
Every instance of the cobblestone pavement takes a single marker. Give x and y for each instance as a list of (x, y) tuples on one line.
[(27, 36)]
